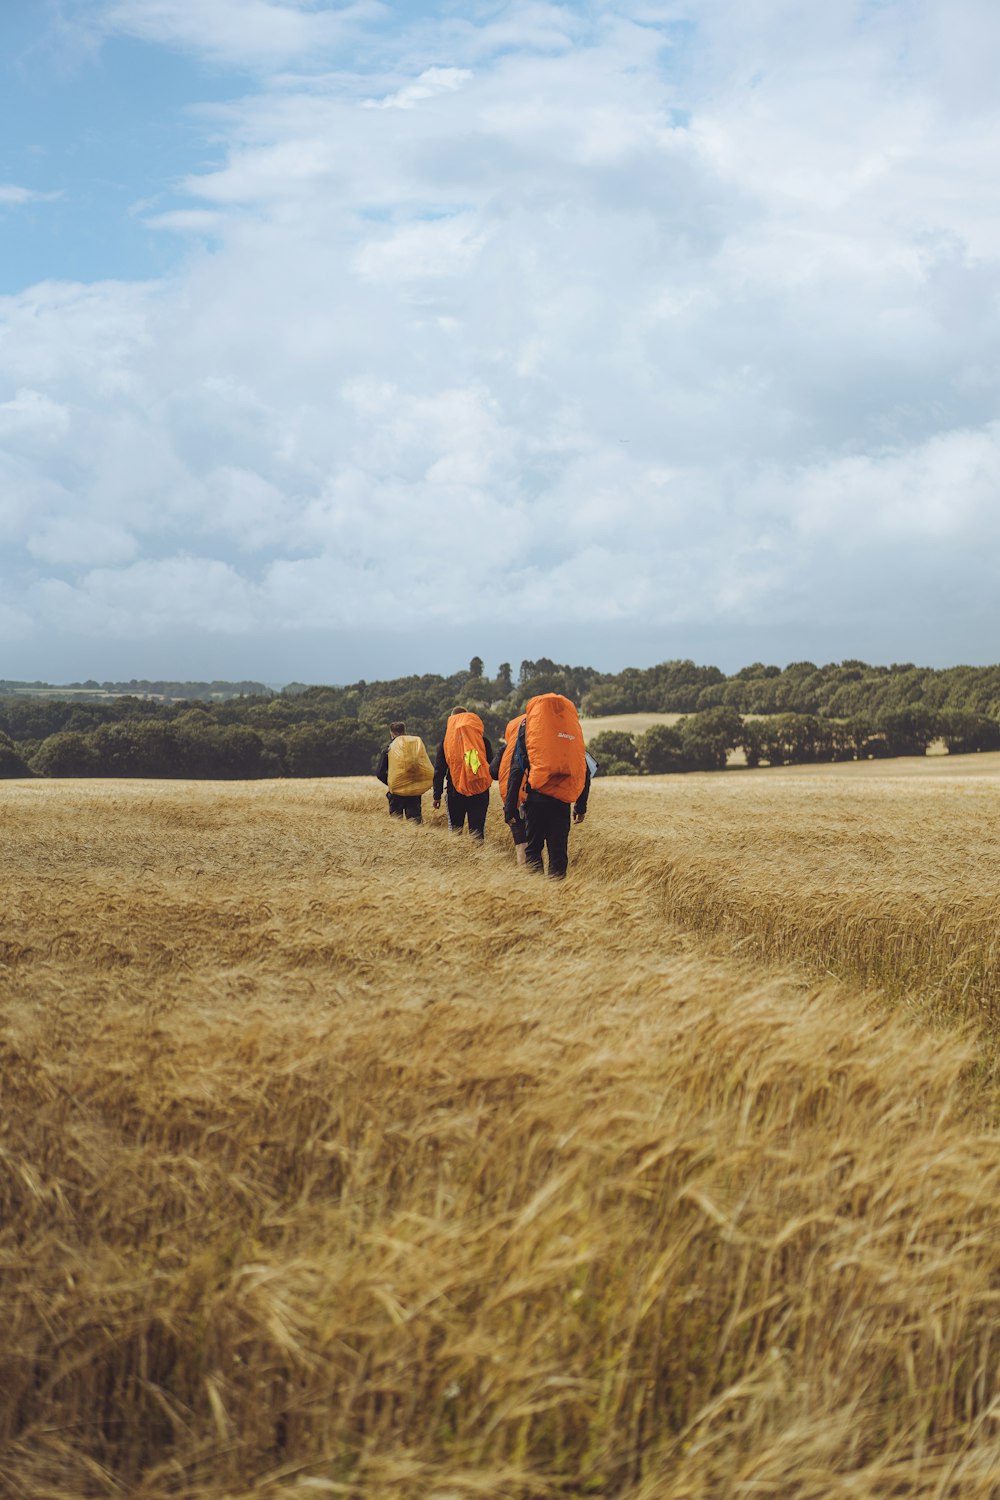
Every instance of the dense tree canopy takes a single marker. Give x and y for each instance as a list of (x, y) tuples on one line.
[(11, 762), (778, 716)]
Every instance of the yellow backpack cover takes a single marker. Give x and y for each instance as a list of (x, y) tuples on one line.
[(410, 770)]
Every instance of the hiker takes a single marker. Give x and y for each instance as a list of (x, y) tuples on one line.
[(405, 768), (500, 771), (464, 758), (551, 758)]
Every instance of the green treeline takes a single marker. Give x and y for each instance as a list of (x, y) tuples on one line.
[(836, 691), (803, 713), (704, 741)]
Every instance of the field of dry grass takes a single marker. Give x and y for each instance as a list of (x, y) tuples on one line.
[(884, 873), (628, 723), (637, 724), (342, 1158)]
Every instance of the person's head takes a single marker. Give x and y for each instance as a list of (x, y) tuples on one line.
[(398, 728), (458, 710)]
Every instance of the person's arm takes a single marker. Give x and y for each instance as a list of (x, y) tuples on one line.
[(440, 767), (382, 771), (513, 792), (489, 756), (495, 762), (518, 770), (580, 809)]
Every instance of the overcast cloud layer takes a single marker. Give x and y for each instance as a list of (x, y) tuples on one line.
[(610, 331)]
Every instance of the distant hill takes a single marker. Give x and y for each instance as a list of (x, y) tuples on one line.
[(163, 692)]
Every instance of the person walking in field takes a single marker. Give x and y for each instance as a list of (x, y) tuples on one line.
[(500, 771), (464, 760), (550, 758), (405, 768)]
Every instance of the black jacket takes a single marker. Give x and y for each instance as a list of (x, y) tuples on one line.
[(520, 767)]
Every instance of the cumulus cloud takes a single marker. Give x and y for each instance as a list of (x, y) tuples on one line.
[(943, 489), (13, 196), (149, 597), (75, 542), (634, 316), (33, 415), (431, 82), (251, 33)]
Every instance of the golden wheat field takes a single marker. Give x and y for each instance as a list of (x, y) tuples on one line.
[(340, 1157), (636, 723)]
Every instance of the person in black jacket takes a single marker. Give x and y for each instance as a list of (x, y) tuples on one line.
[(460, 807), (517, 831), (546, 819), (399, 807)]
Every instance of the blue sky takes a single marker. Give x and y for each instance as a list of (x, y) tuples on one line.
[(338, 340), (101, 133)]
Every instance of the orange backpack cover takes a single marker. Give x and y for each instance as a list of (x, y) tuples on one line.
[(465, 752), (503, 773), (556, 752)]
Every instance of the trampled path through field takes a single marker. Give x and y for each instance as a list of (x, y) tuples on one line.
[(887, 874), (304, 892)]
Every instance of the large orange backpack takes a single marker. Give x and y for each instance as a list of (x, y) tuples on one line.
[(465, 752), (557, 756), (503, 772)]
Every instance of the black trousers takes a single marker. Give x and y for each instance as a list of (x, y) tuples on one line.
[(404, 807), (546, 821), (474, 808)]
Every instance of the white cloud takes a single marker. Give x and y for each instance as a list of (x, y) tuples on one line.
[(944, 489), (75, 542), (599, 319), (245, 509), (437, 248), (149, 597), (187, 221), (13, 196), (432, 81), (34, 416), (252, 33)]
